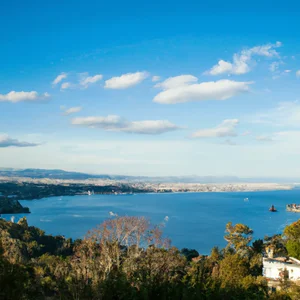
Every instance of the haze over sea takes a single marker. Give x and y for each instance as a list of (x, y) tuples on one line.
[(195, 220)]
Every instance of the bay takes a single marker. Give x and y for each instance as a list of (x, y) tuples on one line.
[(195, 220)]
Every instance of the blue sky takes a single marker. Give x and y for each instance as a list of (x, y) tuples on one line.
[(150, 88)]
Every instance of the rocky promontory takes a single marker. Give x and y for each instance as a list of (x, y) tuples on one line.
[(11, 206)]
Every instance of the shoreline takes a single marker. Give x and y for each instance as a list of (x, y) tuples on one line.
[(11, 191)]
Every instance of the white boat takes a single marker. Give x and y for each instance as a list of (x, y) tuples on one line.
[(246, 199), (89, 193)]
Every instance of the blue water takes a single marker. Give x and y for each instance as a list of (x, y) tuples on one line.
[(196, 220)]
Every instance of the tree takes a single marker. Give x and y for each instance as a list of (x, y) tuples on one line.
[(292, 234), (258, 246), (293, 248), (293, 231), (238, 237), (277, 243), (189, 253), (233, 269)]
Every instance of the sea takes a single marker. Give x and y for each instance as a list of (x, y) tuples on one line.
[(190, 220)]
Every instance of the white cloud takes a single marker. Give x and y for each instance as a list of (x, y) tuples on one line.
[(177, 81), (59, 78), (6, 141), (155, 78), (225, 129), (87, 80), (71, 110), (223, 67), (274, 66), (241, 61), (65, 85), (178, 90), (15, 97), (287, 71), (298, 73), (116, 123), (126, 80)]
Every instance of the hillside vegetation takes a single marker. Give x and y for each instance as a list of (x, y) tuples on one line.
[(128, 258)]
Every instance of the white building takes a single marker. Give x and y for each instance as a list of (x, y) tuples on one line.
[(274, 268)]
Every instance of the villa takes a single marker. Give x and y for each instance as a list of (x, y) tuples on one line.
[(281, 267)]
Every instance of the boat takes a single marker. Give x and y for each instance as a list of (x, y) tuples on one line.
[(246, 199), (89, 193), (272, 209), (293, 207)]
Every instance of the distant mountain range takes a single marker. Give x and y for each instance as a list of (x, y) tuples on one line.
[(61, 174)]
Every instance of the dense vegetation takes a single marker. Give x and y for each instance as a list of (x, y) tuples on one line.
[(29, 191), (11, 192), (11, 206), (127, 258)]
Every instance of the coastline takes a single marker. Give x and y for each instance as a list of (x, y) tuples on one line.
[(55, 213), (14, 189)]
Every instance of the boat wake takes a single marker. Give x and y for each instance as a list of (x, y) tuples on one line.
[(112, 214), (77, 216)]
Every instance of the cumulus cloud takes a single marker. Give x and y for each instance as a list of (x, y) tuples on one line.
[(15, 97), (88, 80), (241, 62), (6, 141), (177, 81), (71, 110), (59, 78), (225, 129), (126, 80), (117, 123), (183, 88), (155, 78), (298, 73), (65, 85)]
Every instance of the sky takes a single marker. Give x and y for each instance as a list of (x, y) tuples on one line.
[(157, 88)]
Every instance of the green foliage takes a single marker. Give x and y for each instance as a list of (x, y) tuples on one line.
[(293, 231), (128, 258), (293, 248), (189, 253), (292, 234), (258, 246), (277, 244), (238, 236)]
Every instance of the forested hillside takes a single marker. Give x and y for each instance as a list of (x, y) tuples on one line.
[(128, 258)]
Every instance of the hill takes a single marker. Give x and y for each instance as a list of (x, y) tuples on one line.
[(69, 175)]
